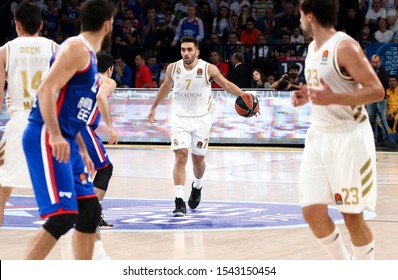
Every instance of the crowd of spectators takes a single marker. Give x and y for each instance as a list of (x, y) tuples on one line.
[(260, 31)]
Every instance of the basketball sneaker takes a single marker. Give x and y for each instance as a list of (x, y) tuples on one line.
[(104, 225), (194, 198), (181, 209)]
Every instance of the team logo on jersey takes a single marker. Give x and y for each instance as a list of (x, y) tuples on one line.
[(178, 70), (325, 55), (338, 199), (83, 178), (199, 145), (199, 73), (175, 142)]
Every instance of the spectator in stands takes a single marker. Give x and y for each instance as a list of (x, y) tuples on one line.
[(122, 73), (70, 19), (271, 77), (233, 46), (285, 49), (392, 103), (150, 24), (51, 20), (260, 50), (392, 17), (302, 50), (189, 26), (143, 75), (365, 37), (290, 80), (245, 14), (259, 7), (207, 18), (162, 75), (181, 8), (378, 109), (383, 34), (239, 73), (259, 80), (374, 14), (164, 35), (222, 66), (222, 24), (236, 27), (163, 8), (266, 24), (288, 21), (248, 37), (296, 37), (235, 7), (135, 23), (128, 42), (352, 21), (212, 44), (171, 20), (155, 67)]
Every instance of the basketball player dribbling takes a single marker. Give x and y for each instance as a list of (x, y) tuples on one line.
[(339, 159), (58, 161), (191, 119), (23, 62)]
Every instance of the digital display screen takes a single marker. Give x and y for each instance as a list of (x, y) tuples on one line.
[(278, 123)]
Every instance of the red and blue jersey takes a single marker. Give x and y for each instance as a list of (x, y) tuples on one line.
[(76, 100)]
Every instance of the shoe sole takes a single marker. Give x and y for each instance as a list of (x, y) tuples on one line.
[(179, 214), (105, 227)]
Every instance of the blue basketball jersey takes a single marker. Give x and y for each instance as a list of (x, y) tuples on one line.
[(76, 100)]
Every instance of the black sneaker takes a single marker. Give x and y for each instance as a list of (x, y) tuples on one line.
[(181, 209), (104, 225), (194, 198)]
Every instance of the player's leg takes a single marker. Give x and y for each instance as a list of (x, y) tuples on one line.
[(53, 186), (5, 193), (361, 236), (180, 142), (200, 144), (315, 195)]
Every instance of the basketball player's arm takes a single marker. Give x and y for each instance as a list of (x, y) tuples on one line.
[(215, 74), (164, 90), (107, 86), (88, 163), (352, 62), (70, 59), (3, 59)]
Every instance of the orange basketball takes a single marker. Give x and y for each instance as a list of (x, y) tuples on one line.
[(247, 105)]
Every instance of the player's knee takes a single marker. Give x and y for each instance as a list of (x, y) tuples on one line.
[(89, 215), (60, 224), (103, 176)]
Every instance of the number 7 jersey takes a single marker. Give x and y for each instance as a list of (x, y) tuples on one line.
[(27, 60)]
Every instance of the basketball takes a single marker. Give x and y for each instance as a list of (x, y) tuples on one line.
[(247, 105)]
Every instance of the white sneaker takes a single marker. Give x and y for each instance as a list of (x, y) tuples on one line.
[(99, 251)]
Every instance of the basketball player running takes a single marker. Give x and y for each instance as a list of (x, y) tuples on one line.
[(339, 159), (95, 147), (23, 61), (191, 119), (57, 158)]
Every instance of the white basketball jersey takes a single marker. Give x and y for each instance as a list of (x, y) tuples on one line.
[(192, 90), (323, 64), (27, 60)]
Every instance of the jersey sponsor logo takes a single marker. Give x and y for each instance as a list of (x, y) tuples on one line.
[(199, 145), (325, 55), (199, 73), (65, 194), (338, 199), (142, 215), (85, 106), (83, 178)]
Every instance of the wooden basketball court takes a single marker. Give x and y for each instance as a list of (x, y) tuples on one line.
[(233, 174)]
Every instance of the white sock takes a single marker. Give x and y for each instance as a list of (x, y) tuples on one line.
[(333, 244), (99, 251), (197, 183), (366, 252), (179, 191)]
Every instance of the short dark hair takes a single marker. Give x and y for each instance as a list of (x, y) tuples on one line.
[(93, 14), (238, 56), (29, 16), (190, 39), (325, 11), (294, 66), (104, 61)]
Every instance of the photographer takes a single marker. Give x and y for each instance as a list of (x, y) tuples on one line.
[(289, 80)]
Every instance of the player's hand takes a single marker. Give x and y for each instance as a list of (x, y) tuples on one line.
[(113, 137), (151, 116), (60, 148), (324, 96), (300, 97), (88, 163)]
